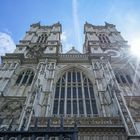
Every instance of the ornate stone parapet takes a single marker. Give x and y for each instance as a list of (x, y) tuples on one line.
[(81, 121)]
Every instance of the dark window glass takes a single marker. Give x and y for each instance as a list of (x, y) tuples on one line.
[(86, 92), (74, 92), (69, 92), (69, 76), (74, 77), (45, 39), (103, 37), (63, 81), (90, 84), (79, 92), (74, 107), (55, 108), (107, 39), (123, 79), (58, 82), (19, 78), (57, 92), (31, 79), (81, 109), (25, 79), (85, 82), (88, 107), (100, 39), (41, 38), (62, 92), (68, 107), (117, 77), (91, 92), (61, 111), (129, 79), (78, 77), (38, 39), (94, 108)]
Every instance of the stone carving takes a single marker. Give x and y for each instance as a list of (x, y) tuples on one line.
[(123, 108), (29, 109), (100, 121), (35, 51), (125, 114), (119, 97), (11, 109), (134, 107), (10, 112)]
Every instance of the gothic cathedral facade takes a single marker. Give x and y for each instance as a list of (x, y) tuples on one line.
[(49, 95)]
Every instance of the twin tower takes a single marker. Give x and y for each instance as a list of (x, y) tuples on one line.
[(49, 95)]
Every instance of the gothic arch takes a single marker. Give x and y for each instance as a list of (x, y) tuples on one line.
[(43, 38), (74, 93), (25, 76), (85, 70)]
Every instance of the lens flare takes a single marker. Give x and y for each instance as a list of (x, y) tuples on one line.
[(135, 47)]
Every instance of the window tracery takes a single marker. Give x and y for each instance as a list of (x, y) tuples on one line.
[(42, 38), (103, 38), (123, 78), (25, 77), (74, 95)]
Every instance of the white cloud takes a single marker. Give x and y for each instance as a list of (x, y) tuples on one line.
[(126, 20), (63, 37), (66, 44), (7, 44)]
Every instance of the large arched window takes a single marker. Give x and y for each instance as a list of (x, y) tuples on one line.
[(74, 95), (25, 77)]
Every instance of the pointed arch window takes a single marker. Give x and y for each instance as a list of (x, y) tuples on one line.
[(42, 38), (25, 78), (103, 38), (74, 95), (123, 78)]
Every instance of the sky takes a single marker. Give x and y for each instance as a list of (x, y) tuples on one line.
[(17, 15)]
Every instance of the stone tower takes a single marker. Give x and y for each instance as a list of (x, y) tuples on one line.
[(49, 95)]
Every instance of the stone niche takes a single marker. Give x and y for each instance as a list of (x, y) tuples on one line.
[(10, 111), (133, 104)]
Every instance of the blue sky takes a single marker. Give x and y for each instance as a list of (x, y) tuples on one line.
[(17, 15)]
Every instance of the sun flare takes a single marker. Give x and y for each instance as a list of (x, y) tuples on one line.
[(135, 47)]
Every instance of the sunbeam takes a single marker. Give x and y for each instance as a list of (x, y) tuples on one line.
[(135, 47)]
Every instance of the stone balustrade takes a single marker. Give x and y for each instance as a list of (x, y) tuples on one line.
[(81, 121)]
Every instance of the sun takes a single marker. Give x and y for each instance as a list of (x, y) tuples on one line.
[(135, 48)]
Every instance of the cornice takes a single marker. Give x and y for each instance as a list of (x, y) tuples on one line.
[(62, 58), (17, 56)]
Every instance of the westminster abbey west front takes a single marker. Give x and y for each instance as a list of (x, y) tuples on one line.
[(49, 95)]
